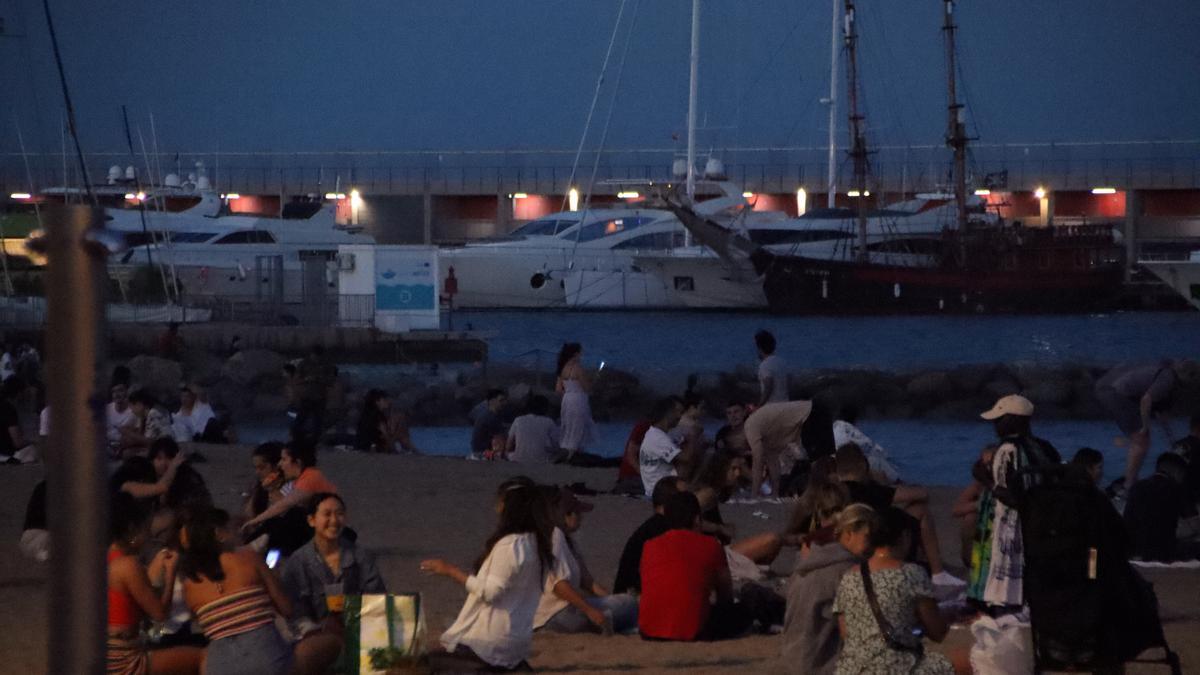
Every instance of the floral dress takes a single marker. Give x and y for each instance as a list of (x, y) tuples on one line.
[(864, 649)]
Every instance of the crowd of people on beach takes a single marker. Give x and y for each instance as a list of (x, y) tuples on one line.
[(194, 588)]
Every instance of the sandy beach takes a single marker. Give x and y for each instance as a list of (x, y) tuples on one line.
[(408, 508)]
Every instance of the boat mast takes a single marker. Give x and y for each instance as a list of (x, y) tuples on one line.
[(833, 64), (693, 91), (858, 143), (956, 134)]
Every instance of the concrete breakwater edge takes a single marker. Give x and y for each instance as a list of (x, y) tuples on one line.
[(249, 385)]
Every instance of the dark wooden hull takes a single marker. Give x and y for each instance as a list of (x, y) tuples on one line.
[(798, 285)]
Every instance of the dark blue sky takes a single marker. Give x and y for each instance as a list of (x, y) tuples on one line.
[(395, 75)]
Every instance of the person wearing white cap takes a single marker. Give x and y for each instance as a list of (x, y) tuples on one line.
[(998, 568)]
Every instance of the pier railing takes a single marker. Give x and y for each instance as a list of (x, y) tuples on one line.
[(1075, 165)]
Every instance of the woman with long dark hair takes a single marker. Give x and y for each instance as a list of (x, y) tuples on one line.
[(234, 597), (131, 598), (495, 627), (576, 411)]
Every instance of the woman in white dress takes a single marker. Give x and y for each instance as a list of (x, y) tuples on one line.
[(576, 412)]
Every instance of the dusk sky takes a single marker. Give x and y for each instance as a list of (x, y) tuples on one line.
[(396, 75)]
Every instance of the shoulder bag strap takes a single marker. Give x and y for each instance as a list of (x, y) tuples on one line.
[(885, 627)]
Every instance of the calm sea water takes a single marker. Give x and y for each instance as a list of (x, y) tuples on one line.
[(674, 343)]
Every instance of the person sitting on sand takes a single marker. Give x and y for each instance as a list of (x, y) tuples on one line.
[(298, 463), (1188, 448), (148, 423), (681, 570), (319, 575), (658, 456), (35, 534), (533, 437), (853, 472), (488, 422), (1158, 509), (195, 419), (380, 429), (234, 597), (286, 532), (845, 431), (731, 438), (824, 501), (688, 432), (629, 568), (629, 474), (131, 597), (494, 629), (810, 634), (717, 482), (1091, 462), (572, 601), (906, 601), (801, 429)]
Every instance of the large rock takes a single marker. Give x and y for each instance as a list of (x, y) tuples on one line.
[(932, 386), (1003, 385), (250, 366), (970, 379), (202, 367), (1056, 392), (161, 377)]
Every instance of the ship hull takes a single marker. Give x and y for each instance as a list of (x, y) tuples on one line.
[(796, 285)]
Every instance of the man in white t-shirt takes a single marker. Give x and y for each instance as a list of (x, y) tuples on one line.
[(772, 372), (658, 456), (533, 437), (118, 414)]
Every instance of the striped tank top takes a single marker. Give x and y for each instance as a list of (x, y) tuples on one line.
[(239, 612)]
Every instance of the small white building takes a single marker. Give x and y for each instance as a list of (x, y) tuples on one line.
[(398, 282)]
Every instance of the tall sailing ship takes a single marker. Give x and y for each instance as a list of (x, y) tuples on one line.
[(978, 264)]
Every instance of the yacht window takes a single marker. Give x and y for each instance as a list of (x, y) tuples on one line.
[(546, 228), (805, 236), (655, 240), (603, 228), (247, 237), (190, 237)]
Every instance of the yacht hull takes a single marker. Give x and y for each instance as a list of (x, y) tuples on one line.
[(706, 282), (1182, 276)]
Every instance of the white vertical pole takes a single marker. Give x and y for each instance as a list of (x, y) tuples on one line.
[(834, 39), (693, 89)]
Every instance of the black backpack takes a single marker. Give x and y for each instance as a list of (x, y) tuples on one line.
[(1087, 604)]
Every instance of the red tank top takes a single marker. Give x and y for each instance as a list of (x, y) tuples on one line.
[(122, 610)]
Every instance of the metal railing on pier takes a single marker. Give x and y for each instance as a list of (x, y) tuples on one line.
[(908, 168)]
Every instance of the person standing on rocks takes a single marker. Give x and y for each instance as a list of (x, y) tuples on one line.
[(1135, 394), (576, 411), (313, 378), (772, 373)]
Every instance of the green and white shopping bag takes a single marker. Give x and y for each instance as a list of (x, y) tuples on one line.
[(382, 632)]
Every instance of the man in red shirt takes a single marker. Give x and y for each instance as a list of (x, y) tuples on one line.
[(680, 571)]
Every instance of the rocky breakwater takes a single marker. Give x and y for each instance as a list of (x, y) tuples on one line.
[(250, 386), (959, 393)]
